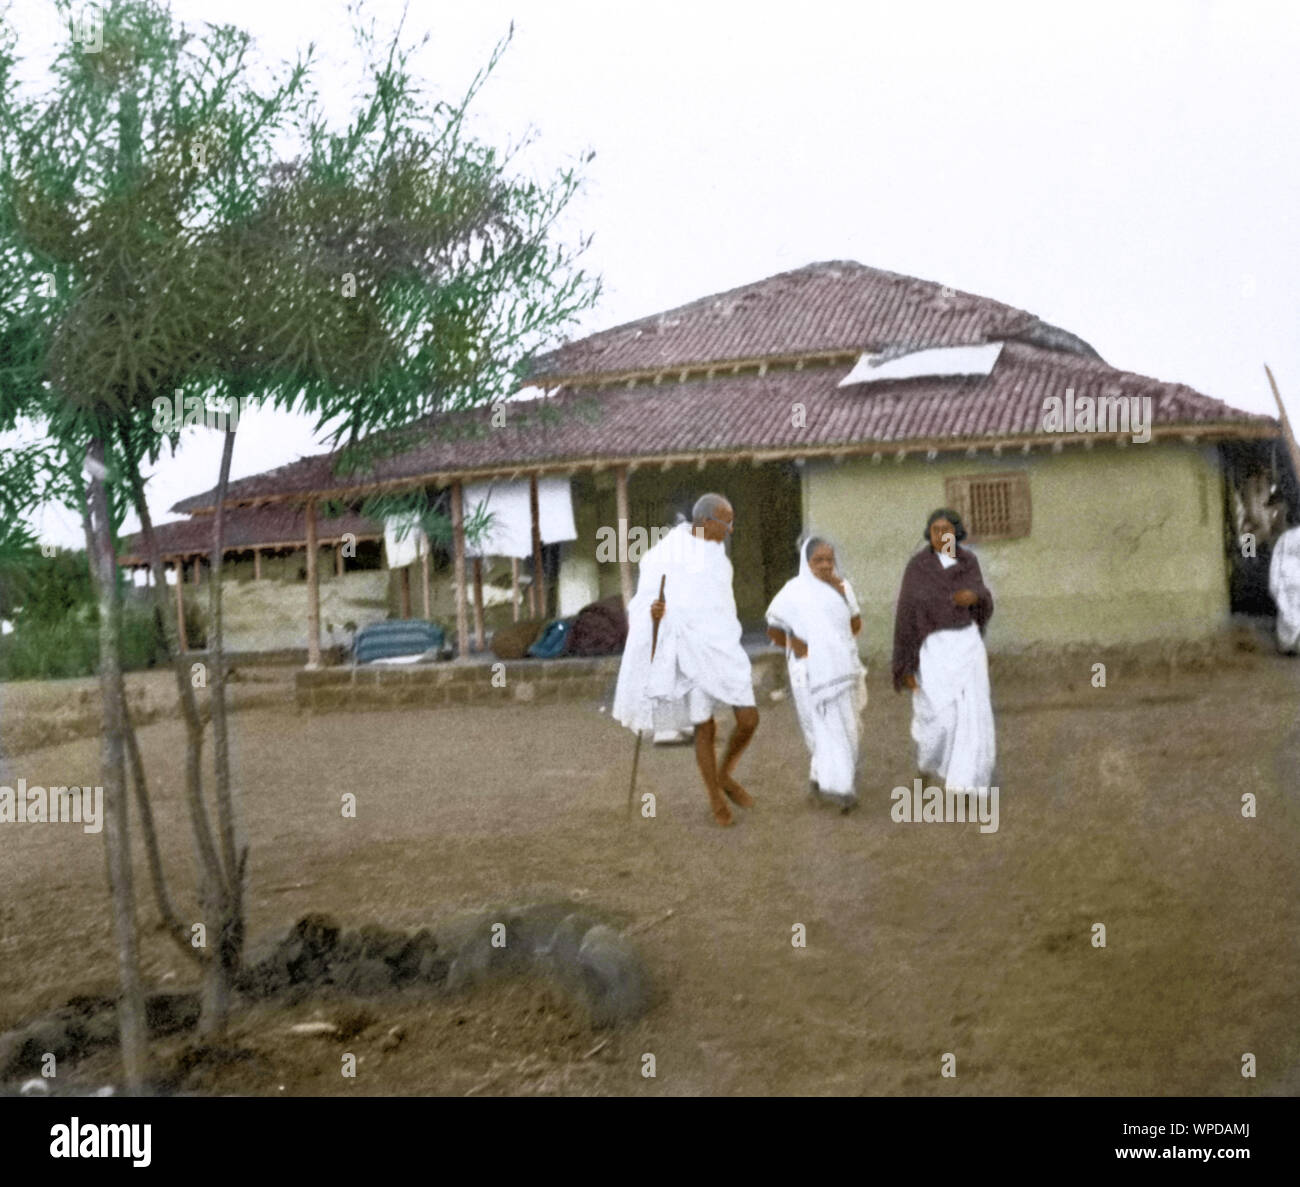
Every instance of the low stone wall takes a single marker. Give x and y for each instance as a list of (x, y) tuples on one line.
[(481, 682)]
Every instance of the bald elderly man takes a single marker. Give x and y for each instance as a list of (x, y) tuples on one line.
[(699, 664)]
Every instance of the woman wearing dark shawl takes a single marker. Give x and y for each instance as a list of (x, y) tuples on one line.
[(943, 609)]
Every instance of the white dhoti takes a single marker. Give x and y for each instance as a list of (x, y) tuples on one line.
[(1284, 586), (699, 663), (952, 713)]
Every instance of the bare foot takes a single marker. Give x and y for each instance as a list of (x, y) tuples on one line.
[(721, 813), (735, 793)]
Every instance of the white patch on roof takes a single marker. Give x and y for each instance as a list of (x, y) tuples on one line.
[(941, 360)]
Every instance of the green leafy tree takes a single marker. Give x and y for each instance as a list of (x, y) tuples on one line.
[(155, 246)]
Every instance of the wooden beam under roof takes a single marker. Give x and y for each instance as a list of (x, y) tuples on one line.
[(760, 455)]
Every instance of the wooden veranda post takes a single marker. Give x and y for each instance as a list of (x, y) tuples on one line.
[(514, 588), (313, 590), (478, 603), (539, 577), (458, 539), (424, 575), (624, 566), (179, 565)]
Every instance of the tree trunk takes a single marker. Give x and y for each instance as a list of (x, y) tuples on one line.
[(171, 921), (228, 940), (117, 842), (210, 874)]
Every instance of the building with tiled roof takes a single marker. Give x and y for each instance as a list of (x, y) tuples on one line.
[(253, 530), (853, 401), (717, 378)]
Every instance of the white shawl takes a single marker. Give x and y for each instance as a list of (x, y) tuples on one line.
[(814, 611), (699, 635)]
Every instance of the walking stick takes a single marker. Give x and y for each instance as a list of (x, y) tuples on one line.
[(636, 752)]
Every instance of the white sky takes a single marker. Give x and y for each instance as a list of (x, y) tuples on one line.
[(1125, 170)]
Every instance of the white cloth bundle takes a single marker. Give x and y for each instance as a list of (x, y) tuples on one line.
[(1284, 585)]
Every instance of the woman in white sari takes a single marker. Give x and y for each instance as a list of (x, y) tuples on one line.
[(943, 609), (816, 619)]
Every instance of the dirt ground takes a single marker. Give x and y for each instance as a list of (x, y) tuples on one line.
[(1119, 806)]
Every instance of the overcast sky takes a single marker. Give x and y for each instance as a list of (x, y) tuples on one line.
[(1125, 170)]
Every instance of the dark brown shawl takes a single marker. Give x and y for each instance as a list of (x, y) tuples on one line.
[(925, 604)]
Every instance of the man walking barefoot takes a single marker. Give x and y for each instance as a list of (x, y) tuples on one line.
[(699, 663)]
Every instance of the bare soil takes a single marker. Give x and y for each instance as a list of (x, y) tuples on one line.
[(1120, 806)]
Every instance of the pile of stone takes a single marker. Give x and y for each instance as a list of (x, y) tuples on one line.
[(572, 948), (85, 1023), (317, 954)]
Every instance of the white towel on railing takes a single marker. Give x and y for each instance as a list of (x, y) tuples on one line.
[(510, 532)]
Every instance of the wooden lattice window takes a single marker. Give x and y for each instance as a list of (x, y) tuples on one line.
[(993, 506)]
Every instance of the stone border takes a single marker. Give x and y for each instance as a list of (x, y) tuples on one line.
[(527, 682)]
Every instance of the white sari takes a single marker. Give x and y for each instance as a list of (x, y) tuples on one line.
[(952, 711), (828, 685)]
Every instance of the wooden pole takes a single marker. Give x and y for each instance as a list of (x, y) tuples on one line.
[(514, 588), (478, 603), (624, 566), (179, 565), (257, 564), (406, 591), (539, 576), (1287, 435), (458, 537), (313, 590), (424, 575)]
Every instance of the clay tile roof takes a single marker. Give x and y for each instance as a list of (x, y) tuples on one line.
[(832, 306), (245, 527), (837, 309)]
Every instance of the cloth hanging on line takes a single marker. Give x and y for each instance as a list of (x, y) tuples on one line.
[(511, 529), (404, 541)]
